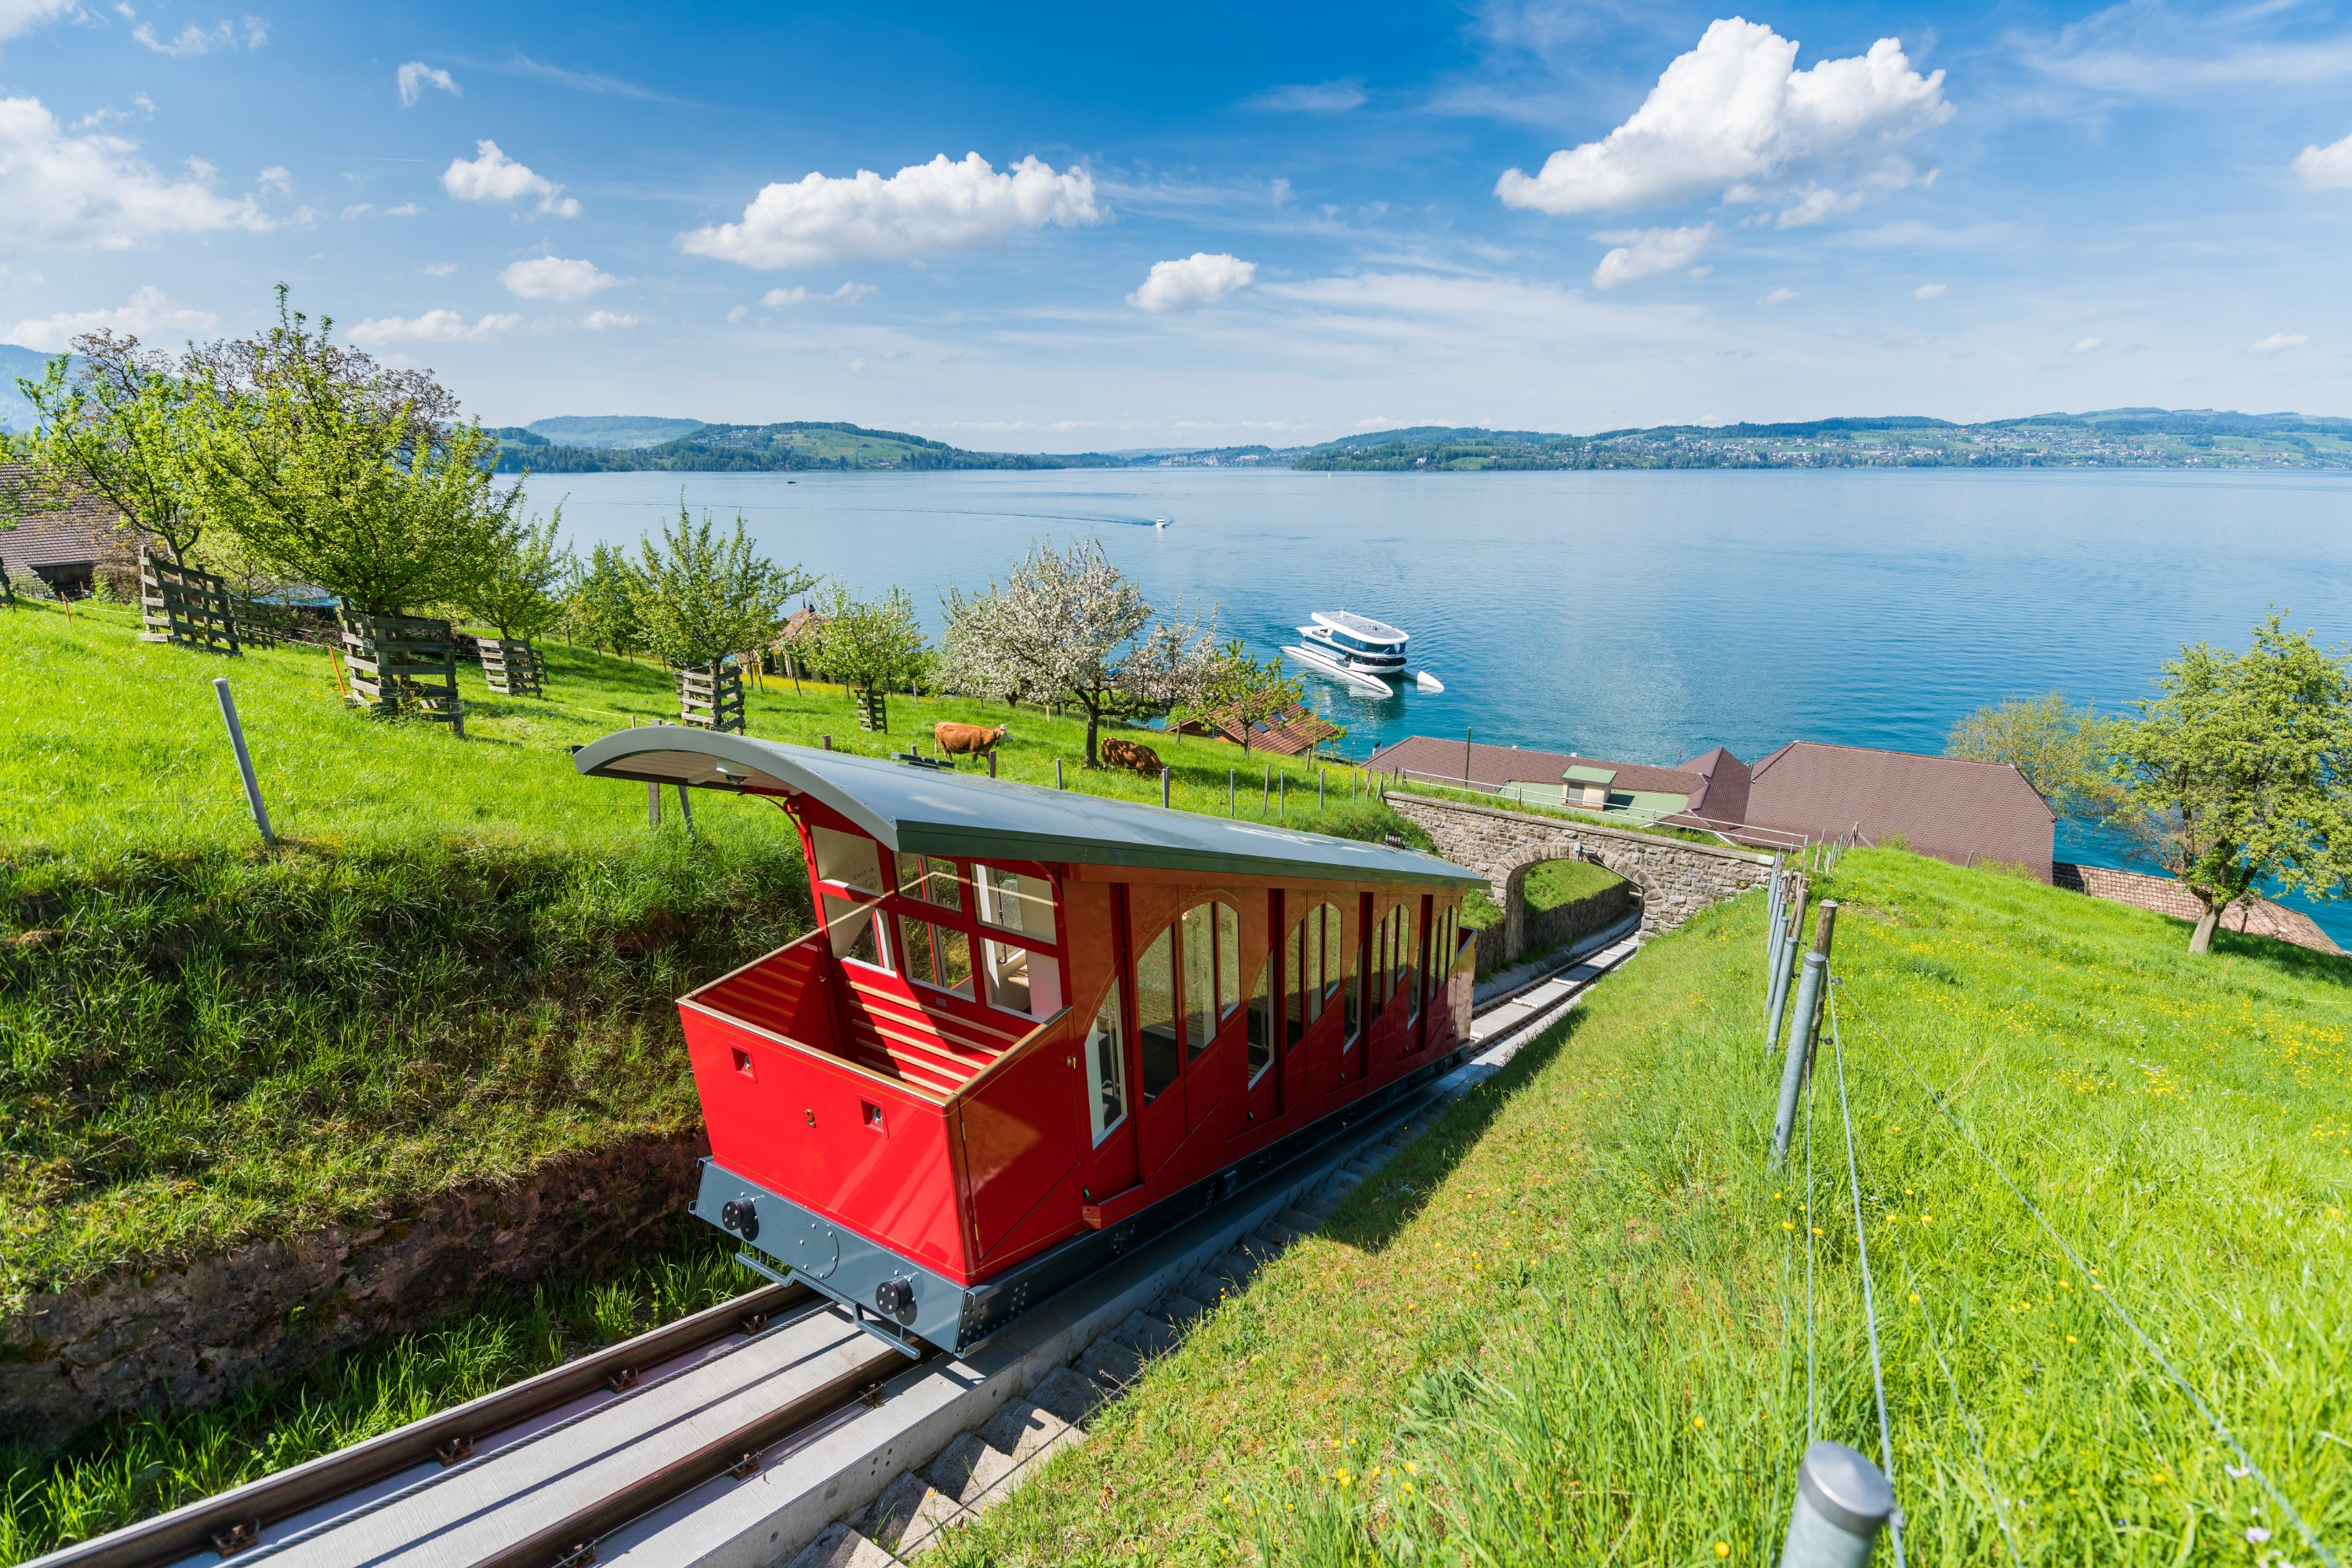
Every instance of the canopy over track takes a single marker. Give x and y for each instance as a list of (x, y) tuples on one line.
[(930, 811)]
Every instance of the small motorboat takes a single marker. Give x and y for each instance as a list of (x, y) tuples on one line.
[(1159, 522), (1361, 653)]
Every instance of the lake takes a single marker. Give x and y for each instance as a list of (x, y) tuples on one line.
[(1636, 615)]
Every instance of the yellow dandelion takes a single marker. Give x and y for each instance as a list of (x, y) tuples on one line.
[(1723, 1549), (1698, 1420), (2071, 1340), (1817, 1230), (1787, 1225), (1408, 1486), (1914, 1294), (1411, 1468)]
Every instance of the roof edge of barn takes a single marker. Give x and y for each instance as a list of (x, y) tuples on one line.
[(1081, 829)]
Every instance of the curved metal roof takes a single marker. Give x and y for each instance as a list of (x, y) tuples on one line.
[(935, 812)]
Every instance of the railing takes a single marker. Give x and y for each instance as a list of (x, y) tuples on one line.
[(1739, 835)]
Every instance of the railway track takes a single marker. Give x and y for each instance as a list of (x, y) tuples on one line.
[(534, 1476)]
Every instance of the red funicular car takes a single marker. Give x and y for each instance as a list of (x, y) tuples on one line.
[(1033, 1028)]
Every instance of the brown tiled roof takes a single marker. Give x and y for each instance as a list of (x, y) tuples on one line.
[(1956, 810), (1715, 781), (2167, 897), (86, 529), (1724, 798), (1299, 733)]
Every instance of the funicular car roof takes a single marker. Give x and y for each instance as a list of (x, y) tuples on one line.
[(929, 811)]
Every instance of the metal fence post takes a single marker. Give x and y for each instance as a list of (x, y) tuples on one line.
[(1282, 796), (686, 808), (653, 804), (1800, 1031), (1265, 792), (1057, 773), (1842, 1502), (1784, 966), (1318, 787), (1164, 786), (244, 759)]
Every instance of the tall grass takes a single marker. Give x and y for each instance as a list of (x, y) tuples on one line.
[(137, 1466), (1571, 1324)]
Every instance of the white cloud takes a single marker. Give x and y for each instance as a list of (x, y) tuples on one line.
[(416, 76), (18, 17), (1645, 253), (1778, 297), (276, 177), (1201, 278), (1733, 115), (492, 176), (194, 40), (553, 277), (738, 313), (848, 294), (2277, 341), (925, 209), (606, 322), (62, 189), (2327, 168), (2083, 346), (148, 313), (1310, 98), (432, 327), (1931, 290), (438, 268)]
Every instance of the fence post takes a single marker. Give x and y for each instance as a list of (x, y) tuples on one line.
[(686, 808), (1842, 1502), (1163, 786), (1057, 773), (1231, 777), (653, 804), (1282, 797), (244, 759), (1265, 793), (1801, 1030), (1784, 966), (1319, 772), (992, 764)]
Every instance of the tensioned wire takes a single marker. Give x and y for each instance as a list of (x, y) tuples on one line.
[(2221, 1428), (1968, 1417), (1869, 1301)]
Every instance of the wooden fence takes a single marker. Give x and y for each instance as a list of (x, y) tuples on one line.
[(513, 668), (710, 696), (181, 605), (403, 664)]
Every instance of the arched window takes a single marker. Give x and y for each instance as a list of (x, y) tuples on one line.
[(1187, 984), (1317, 966), (1105, 1055)]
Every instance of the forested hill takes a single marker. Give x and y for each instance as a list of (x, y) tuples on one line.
[(2113, 438), (763, 448)]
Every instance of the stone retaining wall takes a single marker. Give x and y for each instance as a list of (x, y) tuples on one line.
[(189, 1335), (1548, 929)]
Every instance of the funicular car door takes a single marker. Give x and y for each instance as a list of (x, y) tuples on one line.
[(1158, 1026), (1100, 1044), (1255, 1069)]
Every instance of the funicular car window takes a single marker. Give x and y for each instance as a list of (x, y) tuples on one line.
[(851, 860), (1021, 981), (1197, 951), (1229, 961), (1106, 1069), (1155, 1013), (1408, 964), (1334, 961), (931, 880), (1262, 1021), (851, 928), (1014, 902), (936, 955)]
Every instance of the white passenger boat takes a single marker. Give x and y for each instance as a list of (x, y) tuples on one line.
[(1362, 653)]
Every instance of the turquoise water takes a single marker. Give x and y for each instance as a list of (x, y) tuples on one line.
[(1640, 616)]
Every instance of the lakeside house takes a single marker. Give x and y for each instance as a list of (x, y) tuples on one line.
[(1710, 787)]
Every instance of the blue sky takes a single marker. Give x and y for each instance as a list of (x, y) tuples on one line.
[(1078, 229)]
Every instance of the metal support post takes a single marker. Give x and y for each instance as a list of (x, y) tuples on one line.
[(1057, 773), (1784, 968), (1319, 773), (1265, 792), (1282, 796), (1232, 776), (244, 759), (1842, 1502), (1800, 1031), (992, 764), (653, 804), (1164, 786), (685, 807)]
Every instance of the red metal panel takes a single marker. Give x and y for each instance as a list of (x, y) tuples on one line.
[(1017, 1138)]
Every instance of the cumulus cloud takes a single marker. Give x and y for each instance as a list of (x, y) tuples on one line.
[(2277, 341), (492, 176), (1931, 290), (1778, 297), (1199, 278), (416, 76), (432, 327), (2085, 345), (62, 189), (1310, 98), (924, 209), (553, 277), (194, 40), (1645, 253), (148, 314), (848, 294), (1734, 115), (21, 17), (2327, 168), (606, 321)]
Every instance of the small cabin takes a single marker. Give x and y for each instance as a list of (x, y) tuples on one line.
[(1031, 1026)]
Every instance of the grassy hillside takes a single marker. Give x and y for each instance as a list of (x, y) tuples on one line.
[(763, 448), (611, 429), (461, 961), (1571, 1323)]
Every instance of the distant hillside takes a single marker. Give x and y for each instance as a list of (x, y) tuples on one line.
[(611, 430), (2112, 437), (761, 448), (15, 363)]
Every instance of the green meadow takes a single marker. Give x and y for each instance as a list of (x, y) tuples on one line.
[(1572, 1322)]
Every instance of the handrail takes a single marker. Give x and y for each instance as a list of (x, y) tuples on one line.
[(1737, 834)]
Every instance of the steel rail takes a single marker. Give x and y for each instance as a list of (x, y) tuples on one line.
[(230, 1521)]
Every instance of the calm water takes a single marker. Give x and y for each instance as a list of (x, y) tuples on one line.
[(1641, 616)]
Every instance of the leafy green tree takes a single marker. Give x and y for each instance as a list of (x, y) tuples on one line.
[(700, 597), (2240, 772), (1250, 691), (1066, 625), (342, 473), (873, 644), (520, 594), (2064, 750), (603, 603), (114, 420)]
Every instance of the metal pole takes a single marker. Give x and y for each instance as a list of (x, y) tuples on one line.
[(1265, 792), (1164, 786), (1800, 1031), (686, 808), (1465, 761), (1842, 1502), (653, 804), (1784, 965), (244, 760), (1319, 773), (1282, 796), (992, 764), (1232, 776), (1057, 773)]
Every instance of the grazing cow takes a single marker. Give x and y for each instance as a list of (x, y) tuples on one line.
[(1122, 753), (966, 740)]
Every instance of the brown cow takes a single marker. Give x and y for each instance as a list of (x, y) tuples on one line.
[(1122, 753), (966, 740)]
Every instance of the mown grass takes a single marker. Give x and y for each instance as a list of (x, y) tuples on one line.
[(133, 1466), (1571, 1323), (460, 961)]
